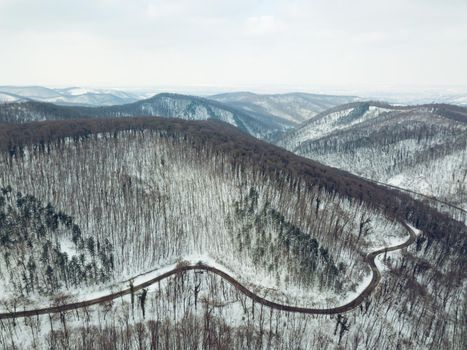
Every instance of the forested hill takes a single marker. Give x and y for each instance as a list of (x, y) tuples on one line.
[(243, 149), (421, 148), (453, 112), (87, 205), (164, 105)]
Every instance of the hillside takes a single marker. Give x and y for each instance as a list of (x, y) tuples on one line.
[(165, 105), (421, 148), (295, 107), (93, 206)]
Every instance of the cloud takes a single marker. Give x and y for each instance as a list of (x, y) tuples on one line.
[(160, 9), (244, 41), (370, 37), (263, 25)]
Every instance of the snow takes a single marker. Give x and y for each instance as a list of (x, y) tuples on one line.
[(68, 247), (80, 91), (415, 230), (379, 262), (365, 281), (418, 183), (386, 236)]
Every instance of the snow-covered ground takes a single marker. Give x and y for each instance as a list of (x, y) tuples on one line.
[(418, 183)]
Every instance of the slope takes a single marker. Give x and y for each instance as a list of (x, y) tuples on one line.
[(422, 148)]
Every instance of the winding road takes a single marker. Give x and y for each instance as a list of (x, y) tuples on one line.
[(370, 259)]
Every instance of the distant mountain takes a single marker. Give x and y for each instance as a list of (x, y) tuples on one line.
[(422, 148), (454, 99), (71, 96), (39, 93), (165, 105), (294, 107), (458, 98), (7, 97)]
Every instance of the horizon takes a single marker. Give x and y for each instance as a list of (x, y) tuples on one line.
[(390, 94)]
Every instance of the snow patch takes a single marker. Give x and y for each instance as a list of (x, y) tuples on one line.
[(418, 183)]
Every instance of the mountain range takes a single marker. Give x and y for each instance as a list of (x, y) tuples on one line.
[(167, 105), (264, 124), (73, 96)]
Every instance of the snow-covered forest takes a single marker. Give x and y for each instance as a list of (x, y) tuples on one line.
[(423, 148), (43, 250), (171, 201), (94, 204)]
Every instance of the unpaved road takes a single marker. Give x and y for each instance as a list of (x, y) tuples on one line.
[(370, 259)]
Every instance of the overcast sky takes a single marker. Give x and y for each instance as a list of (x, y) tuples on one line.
[(237, 43)]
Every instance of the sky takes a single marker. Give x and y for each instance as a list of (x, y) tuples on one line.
[(236, 44)]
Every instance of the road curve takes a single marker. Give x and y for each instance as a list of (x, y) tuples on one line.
[(370, 259)]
